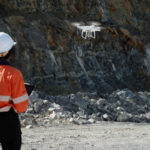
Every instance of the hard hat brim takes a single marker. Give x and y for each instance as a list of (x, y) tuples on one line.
[(6, 42), (8, 48)]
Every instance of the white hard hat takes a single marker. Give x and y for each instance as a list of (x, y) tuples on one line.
[(6, 42)]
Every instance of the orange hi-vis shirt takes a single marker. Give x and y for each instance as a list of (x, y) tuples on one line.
[(12, 89)]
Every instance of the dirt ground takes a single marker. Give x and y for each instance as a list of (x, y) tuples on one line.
[(99, 136)]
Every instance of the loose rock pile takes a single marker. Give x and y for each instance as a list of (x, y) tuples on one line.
[(84, 108)]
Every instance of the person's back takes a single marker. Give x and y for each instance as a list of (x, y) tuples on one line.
[(13, 97), (13, 94)]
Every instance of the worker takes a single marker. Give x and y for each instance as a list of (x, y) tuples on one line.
[(13, 96)]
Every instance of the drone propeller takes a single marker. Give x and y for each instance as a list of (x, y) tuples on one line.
[(94, 23), (76, 24)]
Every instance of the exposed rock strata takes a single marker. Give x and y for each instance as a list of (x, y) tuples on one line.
[(56, 59)]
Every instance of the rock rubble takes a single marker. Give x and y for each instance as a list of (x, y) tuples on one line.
[(85, 108)]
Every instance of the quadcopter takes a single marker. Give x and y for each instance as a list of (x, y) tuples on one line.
[(88, 31)]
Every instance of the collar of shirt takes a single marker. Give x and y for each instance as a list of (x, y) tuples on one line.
[(4, 62)]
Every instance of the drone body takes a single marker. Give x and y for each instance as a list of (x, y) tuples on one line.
[(88, 31)]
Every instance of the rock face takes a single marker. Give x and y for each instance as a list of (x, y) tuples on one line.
[(54, 57)]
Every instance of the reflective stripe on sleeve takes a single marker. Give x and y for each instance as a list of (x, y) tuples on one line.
[(20, 99), (5, 109), (4, 98)]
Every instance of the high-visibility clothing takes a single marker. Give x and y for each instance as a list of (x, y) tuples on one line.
[(12, 90)]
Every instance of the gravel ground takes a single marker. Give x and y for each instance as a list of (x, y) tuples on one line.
[(99, 136)]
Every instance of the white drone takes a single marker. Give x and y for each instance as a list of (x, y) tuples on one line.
[(88, 31)]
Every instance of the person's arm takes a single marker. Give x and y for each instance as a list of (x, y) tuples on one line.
[(19, 94)]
